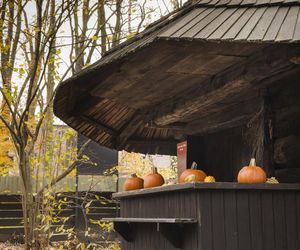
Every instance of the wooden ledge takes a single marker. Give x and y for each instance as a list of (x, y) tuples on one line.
[(207, 186), (171, 229), (152, 220)]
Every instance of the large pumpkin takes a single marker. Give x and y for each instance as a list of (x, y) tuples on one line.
[(153, 180), (133, 183), (252, 174), (199, 174)]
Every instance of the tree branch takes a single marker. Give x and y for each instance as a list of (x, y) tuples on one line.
[(67, 171)]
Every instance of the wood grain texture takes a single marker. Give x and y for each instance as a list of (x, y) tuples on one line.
[(228, 219), (174, 70)]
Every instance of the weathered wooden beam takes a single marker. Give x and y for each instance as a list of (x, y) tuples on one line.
[(280, 76), (286, 151), (98, 125), (234, 80), (154, 143), (233, 116), (173, 126)]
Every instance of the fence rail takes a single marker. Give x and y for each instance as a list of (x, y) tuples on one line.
[(67, 214)]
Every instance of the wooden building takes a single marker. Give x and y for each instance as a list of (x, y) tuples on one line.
[(222, 75)]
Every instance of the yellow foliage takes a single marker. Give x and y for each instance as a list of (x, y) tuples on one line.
[(141, 165), (7, 149), (134, 163)]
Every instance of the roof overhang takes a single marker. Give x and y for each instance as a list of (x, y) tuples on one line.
[(176, 78)]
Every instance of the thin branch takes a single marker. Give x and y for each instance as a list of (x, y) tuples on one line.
[(68, 170)]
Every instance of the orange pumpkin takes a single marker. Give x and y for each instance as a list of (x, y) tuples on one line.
[(153, 180), (199, 174), (133, 183), (252, 174)]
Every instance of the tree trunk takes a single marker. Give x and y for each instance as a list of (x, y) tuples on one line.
[(28, 205), (117, 31)]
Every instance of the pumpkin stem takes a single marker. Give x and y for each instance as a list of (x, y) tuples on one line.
[(133, 175), (194, 165), (252, 162), (154, 170)]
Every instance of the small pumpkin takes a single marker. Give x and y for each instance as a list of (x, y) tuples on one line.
[(252, 174), (199, 174), (209, 179), (154, 179), (133, 183)]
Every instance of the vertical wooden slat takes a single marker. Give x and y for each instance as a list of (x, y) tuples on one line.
[(206, 220), (255, 220), (150, 202), (243, 217), (161, 242), (191, 231), (291, 221), (268, 220), (279, 220), (199, 198), (219, 240), (193, 214), (298, 214), (230, 218)]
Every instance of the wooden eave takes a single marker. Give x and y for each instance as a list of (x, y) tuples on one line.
[(178, 78)]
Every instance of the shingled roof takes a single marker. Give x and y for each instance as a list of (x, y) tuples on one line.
[(113, 101), (249, 20)]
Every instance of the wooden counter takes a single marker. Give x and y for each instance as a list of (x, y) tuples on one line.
[(206, 186), (220, 216)]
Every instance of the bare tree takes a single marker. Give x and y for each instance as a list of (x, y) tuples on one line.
[(33, 62)]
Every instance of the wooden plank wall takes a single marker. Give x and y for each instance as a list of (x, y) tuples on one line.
[(227, 219), (220, 154)]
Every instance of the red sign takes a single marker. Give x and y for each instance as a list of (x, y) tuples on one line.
[(181, 157)]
